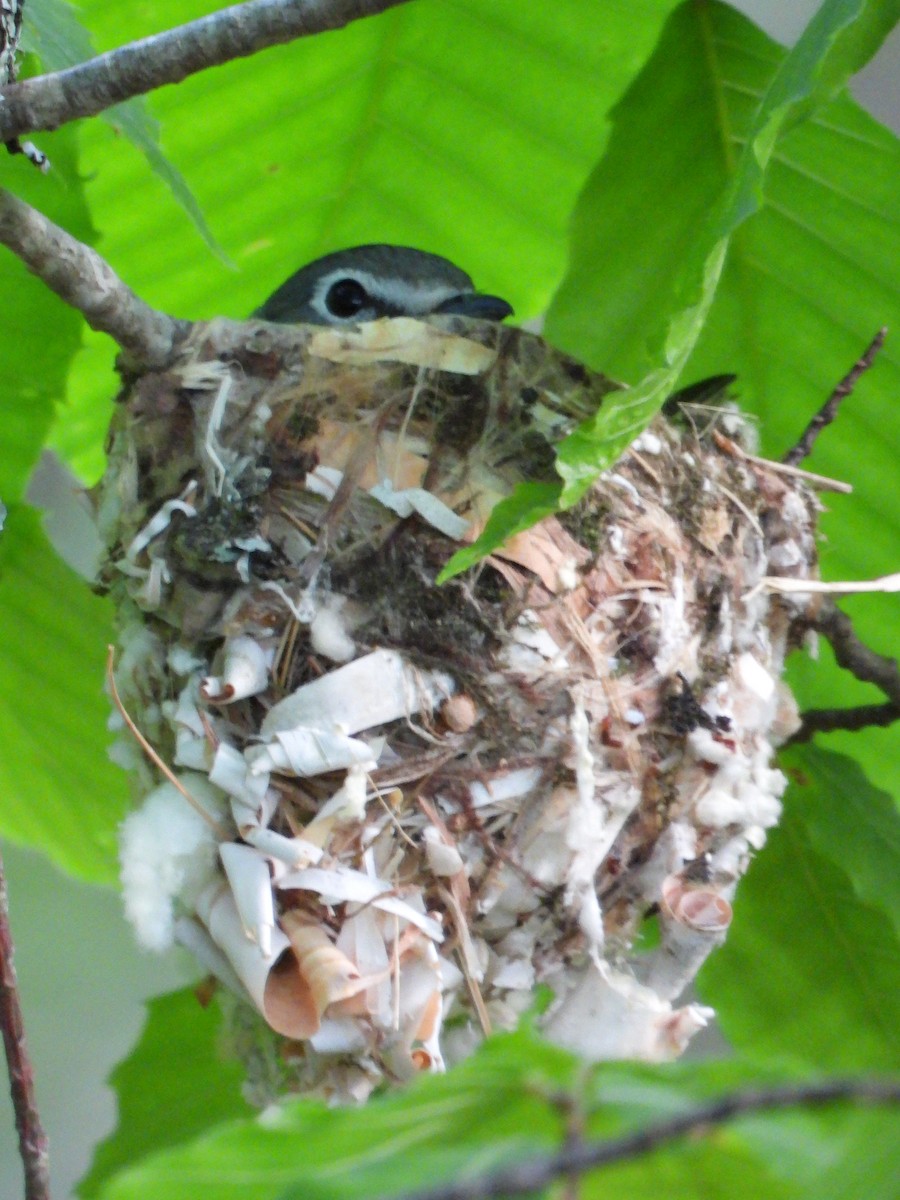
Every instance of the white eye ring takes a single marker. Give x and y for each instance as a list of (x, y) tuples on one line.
[(346, 277)]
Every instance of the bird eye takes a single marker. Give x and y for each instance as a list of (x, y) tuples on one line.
[(345, 298)]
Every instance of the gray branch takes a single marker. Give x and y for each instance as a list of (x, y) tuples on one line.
[(87, 282), (48, 101)]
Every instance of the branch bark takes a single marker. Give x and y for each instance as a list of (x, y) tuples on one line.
[(32, 1139), (48, 101), (578, 1156), (86, 281), (848, 720), (829, 409), (865, 664)]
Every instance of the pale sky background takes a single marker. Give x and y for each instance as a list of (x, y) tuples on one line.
[(83, 980)]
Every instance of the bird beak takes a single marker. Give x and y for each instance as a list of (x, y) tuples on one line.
[(476, 304)]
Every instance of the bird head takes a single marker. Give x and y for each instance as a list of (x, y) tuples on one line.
[(367, 282)]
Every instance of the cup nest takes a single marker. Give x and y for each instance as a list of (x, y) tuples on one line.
[(382, 811)]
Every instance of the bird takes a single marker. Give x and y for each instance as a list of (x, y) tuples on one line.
[(363, 283)]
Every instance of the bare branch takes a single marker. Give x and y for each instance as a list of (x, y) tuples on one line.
[(854, 655), (829, 409), (48, 101), (579, 1156), (86, 281), (32, 1139), (851, 720), (860, 660)]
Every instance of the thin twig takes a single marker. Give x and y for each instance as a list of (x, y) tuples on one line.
[(32, 1139), (48, 101), (823, 482), (220, 832), (87, 282), (793, 585), (829, 409), (580, 1156)]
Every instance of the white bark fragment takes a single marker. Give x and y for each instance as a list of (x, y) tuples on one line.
[(605, 1014), (307, 752), (245, 672), (251, 885), (407, 501), (367, 692)]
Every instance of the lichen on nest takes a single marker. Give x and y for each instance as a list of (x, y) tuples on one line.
[(416, 803)]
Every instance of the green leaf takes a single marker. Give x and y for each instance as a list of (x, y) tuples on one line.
[(174, 1086), (133, 118), (41, 333), (640, 183), (528, 503), (642, 314), (818, 682), (53, 31), (514, 1100), (810, 973), (58, 791), (830, 1155), (851, 822), (464, 128), (491, 1110)]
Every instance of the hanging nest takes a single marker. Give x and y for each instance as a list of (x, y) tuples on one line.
[(390, 810)]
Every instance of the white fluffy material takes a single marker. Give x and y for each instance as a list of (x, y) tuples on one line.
[(166, 851)]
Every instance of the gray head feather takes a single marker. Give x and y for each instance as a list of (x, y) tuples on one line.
[(367, 282)]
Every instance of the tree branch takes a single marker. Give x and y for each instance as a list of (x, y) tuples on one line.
[(578, 1156), (86, 281), (856, 657), (32, 1139), (48, 101), (829, 409), (850, 720)]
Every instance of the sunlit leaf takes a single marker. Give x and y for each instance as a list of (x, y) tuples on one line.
[(630, 220), (54, 32)]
